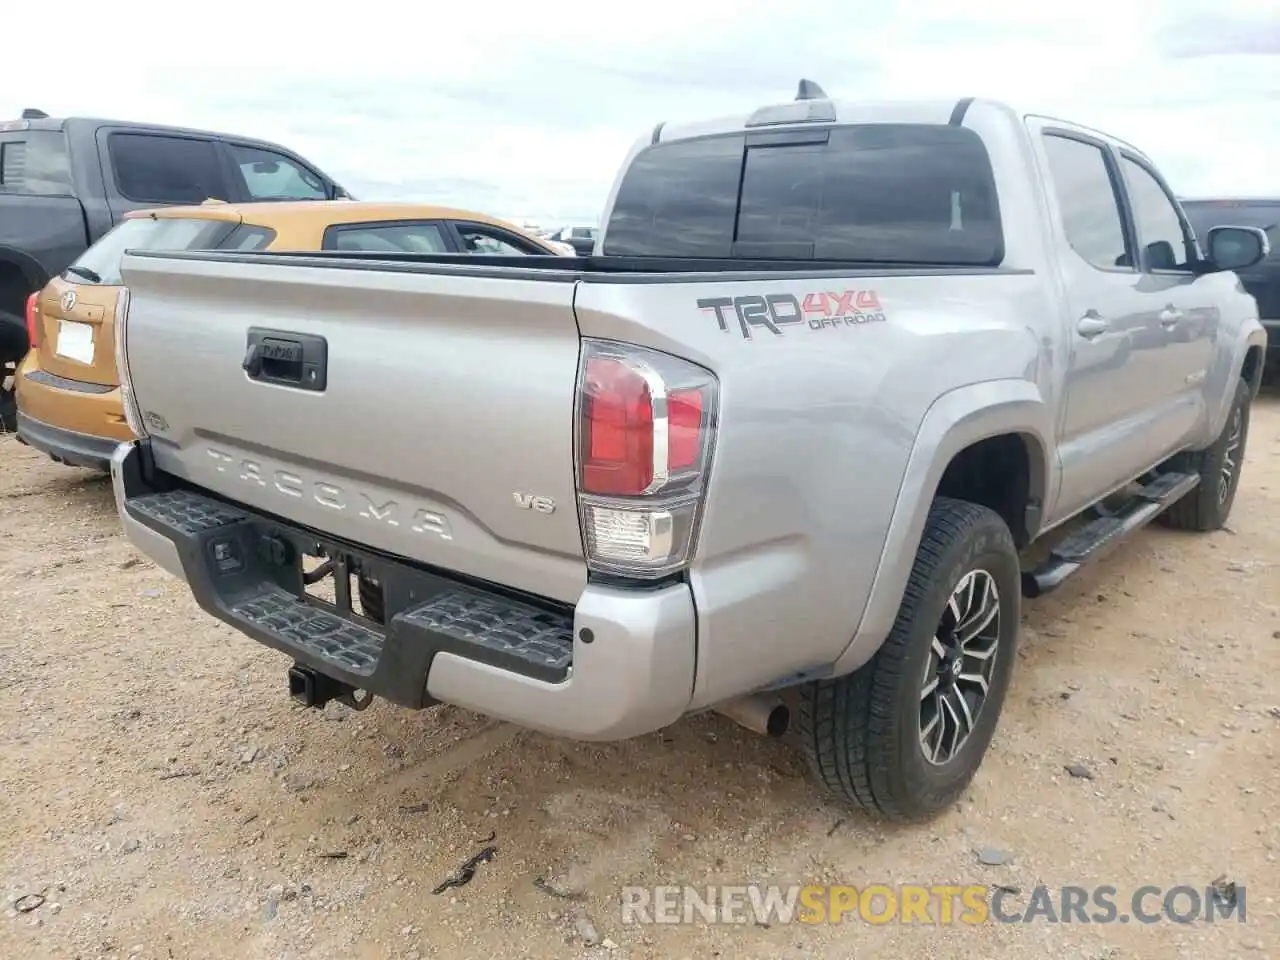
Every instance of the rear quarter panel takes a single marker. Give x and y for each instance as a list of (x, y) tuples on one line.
[(817, 424)]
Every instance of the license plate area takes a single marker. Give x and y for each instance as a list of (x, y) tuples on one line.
[(75, 341)]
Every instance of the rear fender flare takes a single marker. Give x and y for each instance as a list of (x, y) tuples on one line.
[(955, 420)]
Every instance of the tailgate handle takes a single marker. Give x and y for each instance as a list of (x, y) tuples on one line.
[(285, 359)]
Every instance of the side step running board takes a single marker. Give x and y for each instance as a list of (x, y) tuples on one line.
[(1097, 537)]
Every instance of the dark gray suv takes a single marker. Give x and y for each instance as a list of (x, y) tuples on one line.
[(1263, 279)]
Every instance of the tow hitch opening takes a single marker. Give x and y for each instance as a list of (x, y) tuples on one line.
[(313, 689)]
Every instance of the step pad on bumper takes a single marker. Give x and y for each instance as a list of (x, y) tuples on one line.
[(342, 642), (245, 569), (541, 639)]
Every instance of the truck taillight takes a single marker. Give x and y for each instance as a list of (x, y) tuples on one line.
[(646, 432), (33, 320), (132, 414)]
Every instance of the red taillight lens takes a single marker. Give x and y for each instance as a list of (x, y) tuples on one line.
[(33, 320), (617, 429), (646, 430), (684, 428)]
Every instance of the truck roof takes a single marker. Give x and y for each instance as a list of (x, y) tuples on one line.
[(60, 123), (790, 113)]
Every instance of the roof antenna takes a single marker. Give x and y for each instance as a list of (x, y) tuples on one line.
[(810, 91), (31, 113)]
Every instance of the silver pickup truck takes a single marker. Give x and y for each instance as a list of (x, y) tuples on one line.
[(777, 447)]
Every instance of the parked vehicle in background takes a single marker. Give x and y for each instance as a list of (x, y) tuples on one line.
[(582, 239), (838, 365), (1262, 280), (68, 394), (66, 182)]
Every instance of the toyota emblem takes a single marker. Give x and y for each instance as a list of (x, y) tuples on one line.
[(68, 301)]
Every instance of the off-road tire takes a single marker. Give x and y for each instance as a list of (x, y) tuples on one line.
[(861, 732), (1202, 510)]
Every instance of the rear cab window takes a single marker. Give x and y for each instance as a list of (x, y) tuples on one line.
[(873, 193), (35, 163), (101, 262)]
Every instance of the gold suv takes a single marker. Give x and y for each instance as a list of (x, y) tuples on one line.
[(67, 389)]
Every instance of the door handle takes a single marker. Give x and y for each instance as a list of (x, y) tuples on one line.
[(1170, 317), (1091, 325)]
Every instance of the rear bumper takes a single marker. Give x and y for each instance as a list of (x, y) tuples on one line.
[(91, 410), (619, 664), (66, 446)]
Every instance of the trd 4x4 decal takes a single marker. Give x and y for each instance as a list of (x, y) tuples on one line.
[(775, 311)]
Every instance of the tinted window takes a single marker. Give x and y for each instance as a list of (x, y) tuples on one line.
[(901, 193), (1087, 201), (490, 241), (34, 162), (678, 200), (1160, 233), (146, 233), (387, 237), (155, 169), (247, 237), (272, 176)]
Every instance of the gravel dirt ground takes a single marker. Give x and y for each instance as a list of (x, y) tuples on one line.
[(167, 800)]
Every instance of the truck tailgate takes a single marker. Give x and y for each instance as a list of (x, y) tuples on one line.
[(442, 432)]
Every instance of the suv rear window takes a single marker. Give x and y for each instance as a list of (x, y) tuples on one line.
[(35, 162), (876, 193), (145, 233)]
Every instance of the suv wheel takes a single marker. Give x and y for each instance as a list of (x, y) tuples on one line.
[(1207, 506), (904, 734)]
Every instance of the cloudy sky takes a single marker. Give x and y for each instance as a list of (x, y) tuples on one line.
[(525, 109)]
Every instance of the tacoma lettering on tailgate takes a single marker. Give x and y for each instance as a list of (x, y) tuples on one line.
[(328, 494)]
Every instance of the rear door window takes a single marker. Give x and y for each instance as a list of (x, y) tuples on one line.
[(887, 193), (409, 237), (35, 162), (151, 168), (145, 233), (269, 175)]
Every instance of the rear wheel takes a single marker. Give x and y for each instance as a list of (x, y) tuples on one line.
[(12, 347), (1207, 506), (8, 397), (904, 735)]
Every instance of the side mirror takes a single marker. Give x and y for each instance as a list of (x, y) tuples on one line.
[(1237, 248)]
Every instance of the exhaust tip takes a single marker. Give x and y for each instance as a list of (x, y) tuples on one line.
[(778, 722), (761, 714)]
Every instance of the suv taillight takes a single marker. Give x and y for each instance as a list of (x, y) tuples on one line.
[(33, 320), (132, 415), (646, 431)]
